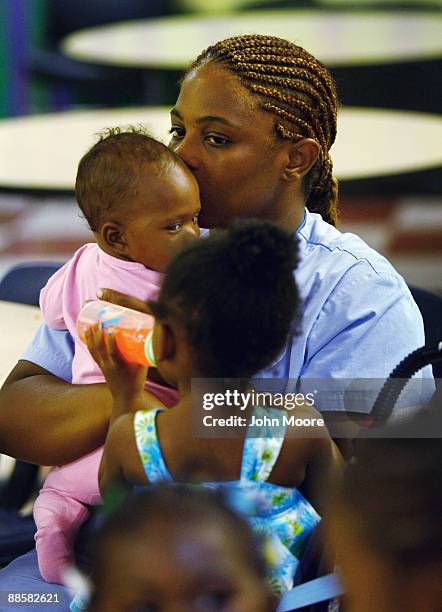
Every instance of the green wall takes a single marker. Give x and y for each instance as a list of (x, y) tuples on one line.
[(14, 81)]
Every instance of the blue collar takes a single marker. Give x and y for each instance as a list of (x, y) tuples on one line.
[(303, 222)]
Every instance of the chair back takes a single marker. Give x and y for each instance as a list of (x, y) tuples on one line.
[(430, 306), (23, 282), (20, 284)]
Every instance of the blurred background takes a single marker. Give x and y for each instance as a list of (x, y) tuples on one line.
[(66, 65)]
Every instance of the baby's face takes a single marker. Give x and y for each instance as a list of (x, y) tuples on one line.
[(174, 567), (163, 217)]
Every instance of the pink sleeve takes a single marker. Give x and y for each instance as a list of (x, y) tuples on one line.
[(51, 300)]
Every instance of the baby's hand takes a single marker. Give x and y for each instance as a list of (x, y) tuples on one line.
[(125, 380)]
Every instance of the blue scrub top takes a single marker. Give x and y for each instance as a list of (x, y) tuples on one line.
[(359, 319)]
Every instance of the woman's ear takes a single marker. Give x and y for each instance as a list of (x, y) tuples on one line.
[(113, 235), (302, 156)]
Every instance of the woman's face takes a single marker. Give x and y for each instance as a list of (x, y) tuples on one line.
[(230, 146)]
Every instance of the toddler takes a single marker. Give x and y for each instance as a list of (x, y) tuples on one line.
[(142, 204), (225, 310)]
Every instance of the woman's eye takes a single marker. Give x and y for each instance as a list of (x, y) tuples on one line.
[(176, 132), (216, 140), (174, 228)]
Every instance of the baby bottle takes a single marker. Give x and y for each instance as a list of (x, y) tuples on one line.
[(132, 329)]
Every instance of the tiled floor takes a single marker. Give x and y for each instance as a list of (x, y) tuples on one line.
[(408, 231), (39, 229)]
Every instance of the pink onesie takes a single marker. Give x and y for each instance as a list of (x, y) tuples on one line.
[(62, 504)]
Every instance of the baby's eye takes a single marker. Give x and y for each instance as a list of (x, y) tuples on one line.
[(177, 132), (174, 228), (195, 219), (216, 140)]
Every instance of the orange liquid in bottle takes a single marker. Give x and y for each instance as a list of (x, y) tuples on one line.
[(131, 344), (132, 329)]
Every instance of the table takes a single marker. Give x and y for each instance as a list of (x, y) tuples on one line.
[(219, 6), (336, 38), (41, 152), (18, 322)]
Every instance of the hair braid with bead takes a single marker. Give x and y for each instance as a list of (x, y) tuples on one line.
[(296, 88)]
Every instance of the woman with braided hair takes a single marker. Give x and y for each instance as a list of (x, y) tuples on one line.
[(299, 100), (254, 122)]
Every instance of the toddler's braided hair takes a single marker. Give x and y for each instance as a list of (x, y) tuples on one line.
[(295, 87)]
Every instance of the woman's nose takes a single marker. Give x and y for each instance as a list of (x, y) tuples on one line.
[(186, 150)]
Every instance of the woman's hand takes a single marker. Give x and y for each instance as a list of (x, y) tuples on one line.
[(115, 297), (125, 380)]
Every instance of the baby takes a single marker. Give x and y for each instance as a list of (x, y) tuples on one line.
[(142, 205)]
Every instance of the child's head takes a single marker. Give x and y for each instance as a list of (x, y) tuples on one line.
[(386, 524), (231, 298), (178, 547), (140, 200)]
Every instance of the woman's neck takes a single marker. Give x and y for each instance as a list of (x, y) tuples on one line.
[(288, 213), (292, 220)]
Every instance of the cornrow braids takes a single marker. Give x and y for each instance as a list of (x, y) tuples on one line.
[(296, 88)]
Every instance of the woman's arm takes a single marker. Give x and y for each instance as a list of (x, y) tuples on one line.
[(48, 421), (44, 419)]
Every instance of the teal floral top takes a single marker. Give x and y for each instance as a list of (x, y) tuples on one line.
[(281, 514)]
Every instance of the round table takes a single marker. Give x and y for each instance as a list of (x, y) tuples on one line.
[(336, 38), (41, 152), (220, 6)]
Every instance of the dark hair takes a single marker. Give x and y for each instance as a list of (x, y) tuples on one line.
[(235, 295), (394, 493), (295, 87), (108, 174), (176, 503)]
